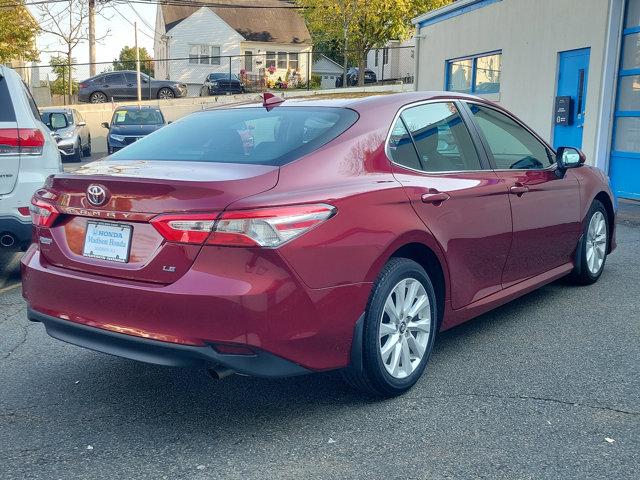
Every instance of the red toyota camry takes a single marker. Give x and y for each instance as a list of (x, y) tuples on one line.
[(344, 234)]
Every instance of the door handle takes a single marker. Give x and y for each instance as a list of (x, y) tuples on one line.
[(519, 189), (435, 197)]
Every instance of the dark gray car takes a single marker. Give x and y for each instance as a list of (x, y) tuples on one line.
[(122, 85)]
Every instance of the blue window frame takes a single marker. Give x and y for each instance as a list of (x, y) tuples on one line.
[(477, 74)]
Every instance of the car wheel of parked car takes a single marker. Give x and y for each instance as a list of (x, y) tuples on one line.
[(165, 93), (86, 151), (98, 97), (593, 246), (399, 329)]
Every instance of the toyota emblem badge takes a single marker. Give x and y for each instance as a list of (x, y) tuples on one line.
[(96, 195)]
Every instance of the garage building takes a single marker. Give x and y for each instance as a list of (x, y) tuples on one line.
[(568, 68)]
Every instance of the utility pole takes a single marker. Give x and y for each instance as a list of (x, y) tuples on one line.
[(135, 27), (92, 38)]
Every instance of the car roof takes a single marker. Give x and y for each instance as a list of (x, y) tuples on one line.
[(56, 110), (371, 102)]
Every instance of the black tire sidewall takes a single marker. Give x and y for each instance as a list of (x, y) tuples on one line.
[(596, 206), (399, 269)]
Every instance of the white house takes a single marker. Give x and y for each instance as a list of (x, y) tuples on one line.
[(328, 70), (535, 58), (395, 61), (260, 40)]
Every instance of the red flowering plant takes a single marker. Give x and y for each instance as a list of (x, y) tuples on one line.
[(271, 69)]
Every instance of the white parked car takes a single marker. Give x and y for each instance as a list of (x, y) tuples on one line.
[(28, 155)]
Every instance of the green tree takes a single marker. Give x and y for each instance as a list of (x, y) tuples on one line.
[(60, 69), (127, 60), (18, 31), (361, 25)]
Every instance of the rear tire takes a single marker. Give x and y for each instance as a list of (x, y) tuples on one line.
[(399, 330), (593, 247)]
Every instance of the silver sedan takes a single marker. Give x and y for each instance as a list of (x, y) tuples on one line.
[(70, 131)]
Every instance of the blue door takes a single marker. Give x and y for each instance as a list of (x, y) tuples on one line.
[(624, 167), (573, 73)]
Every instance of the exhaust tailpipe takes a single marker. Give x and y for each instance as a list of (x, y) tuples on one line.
[(219, 372), (7, 240)]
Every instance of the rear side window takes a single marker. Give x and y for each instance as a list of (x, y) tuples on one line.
[(244, 135), (441, 138), (401, 147), (7, 114)]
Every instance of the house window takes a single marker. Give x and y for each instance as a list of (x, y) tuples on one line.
[(376, 58), (204, 54), (385, 56), (293, 61), (248, 60), (271, 60), (282, 60), (476, 74)]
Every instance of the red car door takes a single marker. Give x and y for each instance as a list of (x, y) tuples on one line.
[(462, 202), (545, 207)]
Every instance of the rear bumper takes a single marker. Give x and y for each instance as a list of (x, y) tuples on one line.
[(250, 299), (262, 364), (20, 231)]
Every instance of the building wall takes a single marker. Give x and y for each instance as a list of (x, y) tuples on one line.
[(530, 35)]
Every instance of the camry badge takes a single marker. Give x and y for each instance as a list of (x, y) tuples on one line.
[(96, 195)]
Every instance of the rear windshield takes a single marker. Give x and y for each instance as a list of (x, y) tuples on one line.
[(243, 135), (7, 113), (144, 116)]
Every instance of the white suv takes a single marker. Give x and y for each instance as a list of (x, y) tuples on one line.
[(28, 155)]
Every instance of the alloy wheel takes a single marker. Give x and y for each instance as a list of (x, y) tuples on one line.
[(165, 93), (405, 326), (98, 97), (596, 242)]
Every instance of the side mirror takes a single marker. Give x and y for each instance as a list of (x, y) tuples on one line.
[(569, 157), (170, 121), (105, 125), (82, 124)]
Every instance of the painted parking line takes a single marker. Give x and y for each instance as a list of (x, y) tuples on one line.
[(10, 287)]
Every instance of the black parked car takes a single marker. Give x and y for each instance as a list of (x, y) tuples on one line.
[(352, 77), (131, 123), (123, 85), (221, 84)]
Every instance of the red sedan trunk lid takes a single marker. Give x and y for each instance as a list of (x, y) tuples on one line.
[(136, 192)]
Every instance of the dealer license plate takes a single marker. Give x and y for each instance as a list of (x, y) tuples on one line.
[(108, 241)]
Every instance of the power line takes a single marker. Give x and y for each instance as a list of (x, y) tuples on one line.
[(130, 22)]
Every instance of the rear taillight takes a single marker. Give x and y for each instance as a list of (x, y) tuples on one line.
[(82, 85), (268, 227), (25, 141), (263, 227), (43, 214), (187, 228)]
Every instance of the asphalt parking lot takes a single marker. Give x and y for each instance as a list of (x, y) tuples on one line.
[(545, 387)]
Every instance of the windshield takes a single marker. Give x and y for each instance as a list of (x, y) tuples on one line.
[(143, 116), (56, 120), (244, 135)]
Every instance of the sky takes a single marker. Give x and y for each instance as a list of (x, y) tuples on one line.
[(121, 33)]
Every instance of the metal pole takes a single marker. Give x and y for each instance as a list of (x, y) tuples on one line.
[(149, 75), (309, 57), (64, 85), (135, 28), (230, 68), (92, 38)]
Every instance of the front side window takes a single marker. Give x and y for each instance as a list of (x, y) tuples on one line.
[(441, 138), (511, 145), (249, 135), (478, 74)]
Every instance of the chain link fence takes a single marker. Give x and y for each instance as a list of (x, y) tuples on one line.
[(203, 73)]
